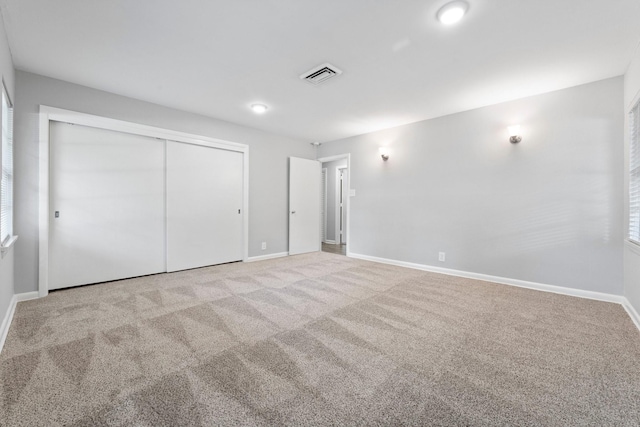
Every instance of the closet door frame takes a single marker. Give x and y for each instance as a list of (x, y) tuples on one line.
[(48, 114)]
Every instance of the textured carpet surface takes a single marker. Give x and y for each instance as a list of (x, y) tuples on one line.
[(318, 339)]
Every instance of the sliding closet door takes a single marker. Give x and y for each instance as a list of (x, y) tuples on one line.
[(204, 202), (107, 205)]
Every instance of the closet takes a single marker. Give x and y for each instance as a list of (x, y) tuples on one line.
[(204, 206), (125, 205)]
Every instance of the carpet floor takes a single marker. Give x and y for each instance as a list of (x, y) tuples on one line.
[(317, 340)]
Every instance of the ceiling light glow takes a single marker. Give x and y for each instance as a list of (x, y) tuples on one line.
[(259, 108), (452, 12)]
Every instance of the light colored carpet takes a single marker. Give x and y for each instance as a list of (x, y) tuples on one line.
[(318, 339)]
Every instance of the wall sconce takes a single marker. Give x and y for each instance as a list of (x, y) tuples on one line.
[(384, 152), (514, 134)]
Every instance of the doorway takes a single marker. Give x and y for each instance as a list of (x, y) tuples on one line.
[(335, 204)]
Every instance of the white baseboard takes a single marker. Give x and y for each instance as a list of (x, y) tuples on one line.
[(600, 296), (8, 317), (632, 313), (330, 242), (6, 322), (26, 296), (268, 256)]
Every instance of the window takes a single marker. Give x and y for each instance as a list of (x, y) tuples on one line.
[(634, 175), (6, 181)]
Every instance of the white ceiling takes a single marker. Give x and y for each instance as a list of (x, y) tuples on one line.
[(400, 65)]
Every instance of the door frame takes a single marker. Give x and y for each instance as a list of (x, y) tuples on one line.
[(323, 182), (48, 114), (348, 192), (339, 214)]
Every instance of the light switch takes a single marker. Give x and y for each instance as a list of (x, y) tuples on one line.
[(352, 193)]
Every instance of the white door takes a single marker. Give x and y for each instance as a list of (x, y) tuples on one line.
[(304, 205), (107, 205), (204, 206)]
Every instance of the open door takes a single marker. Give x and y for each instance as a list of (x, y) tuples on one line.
[(304, 205), (342, 206)]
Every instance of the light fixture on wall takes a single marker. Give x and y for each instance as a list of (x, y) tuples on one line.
[(514, 134), (384, 153), (259, 108), (452, 12)]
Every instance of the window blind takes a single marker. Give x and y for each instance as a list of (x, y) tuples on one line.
[(634, 175), (6, 185)]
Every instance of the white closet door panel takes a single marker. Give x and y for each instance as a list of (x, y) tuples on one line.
[(204, 202), (108, 188)]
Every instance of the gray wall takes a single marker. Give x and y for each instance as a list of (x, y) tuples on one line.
[(331, 196), (547, 210), (268, 161), (6, 263), (631, 252)]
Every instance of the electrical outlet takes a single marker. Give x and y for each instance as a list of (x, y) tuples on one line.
[(441, 256), (264, 245)]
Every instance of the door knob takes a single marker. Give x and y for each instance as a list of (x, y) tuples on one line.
[(292, 212)]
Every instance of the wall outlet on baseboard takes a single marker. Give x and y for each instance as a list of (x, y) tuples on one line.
[(264, 245), (441, 256)]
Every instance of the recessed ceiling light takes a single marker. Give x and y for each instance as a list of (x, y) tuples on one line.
[(452, 12), (259, 108)]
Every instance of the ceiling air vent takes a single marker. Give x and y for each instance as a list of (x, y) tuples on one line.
[(321, 74)]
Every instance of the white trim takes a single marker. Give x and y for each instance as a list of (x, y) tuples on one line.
[(6, 322), (74, 117), (633, 102), (635, 317), (324, 218), (337, 211), (8, 317), (332, 158), (265, 257), (348, 194), (636, 97), (345, 196), (330, 242), (43, 221), (48, 114), (26, 296), (4, 249), (245, 203), (600, 296), (632, 246), (165, 176)]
